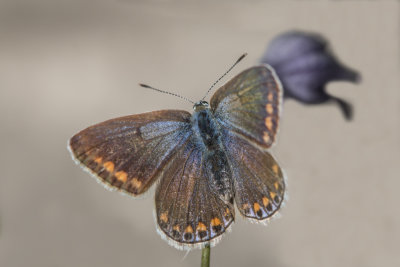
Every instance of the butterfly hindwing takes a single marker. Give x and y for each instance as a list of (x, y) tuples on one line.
[(189, 212), (258, 180), (128, 153), (250, 104)]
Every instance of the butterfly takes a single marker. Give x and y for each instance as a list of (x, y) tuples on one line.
[(204, 164)]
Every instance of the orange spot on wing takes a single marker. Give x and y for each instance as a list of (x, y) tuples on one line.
[(164, 217), (256, 207), (269, 108), (275, 169), (136, 183), (189, 229), (270, 96), (265, 201), (176, 228), (201, 227), (109, 166), (268, 123), (272, 194), (121, 176), (276, 184), (266, 138), (215, 222), (98, 160)]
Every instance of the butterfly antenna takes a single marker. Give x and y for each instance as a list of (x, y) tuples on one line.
[(165, 92), (234, 64)]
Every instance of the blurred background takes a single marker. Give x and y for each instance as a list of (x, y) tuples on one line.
[(67, 64)]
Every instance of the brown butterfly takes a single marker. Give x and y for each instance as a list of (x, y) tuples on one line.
[(205, 162)]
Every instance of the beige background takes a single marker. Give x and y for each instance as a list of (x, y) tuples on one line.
[(65, 65)]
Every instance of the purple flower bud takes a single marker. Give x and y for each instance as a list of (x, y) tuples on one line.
[(305, 65)]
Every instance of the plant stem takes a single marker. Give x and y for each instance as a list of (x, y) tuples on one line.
[(205, 256)]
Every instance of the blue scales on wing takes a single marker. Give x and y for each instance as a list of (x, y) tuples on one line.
[(129, 153)]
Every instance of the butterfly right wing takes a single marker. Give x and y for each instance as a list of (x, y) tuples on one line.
[(189, 211), (128, 153), (247, 108), (250, 104), (258, 180)]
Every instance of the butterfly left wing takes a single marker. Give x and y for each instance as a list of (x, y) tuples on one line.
[(189, 211), (128, 153), (250, 104)]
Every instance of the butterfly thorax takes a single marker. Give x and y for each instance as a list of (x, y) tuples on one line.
[(208, 133), (205, 126)]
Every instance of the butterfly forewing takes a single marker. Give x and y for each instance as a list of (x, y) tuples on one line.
[(189, 212), (128, 153), (250, 104)]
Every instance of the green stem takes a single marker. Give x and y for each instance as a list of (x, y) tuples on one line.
[(205, 256)]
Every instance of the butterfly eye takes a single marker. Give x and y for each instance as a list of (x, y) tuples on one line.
[(204, 103), (201, 105)]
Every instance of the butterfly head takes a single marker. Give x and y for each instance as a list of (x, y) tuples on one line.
[(201, 105)]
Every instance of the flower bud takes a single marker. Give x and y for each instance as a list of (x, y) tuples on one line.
[(305, 64)]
